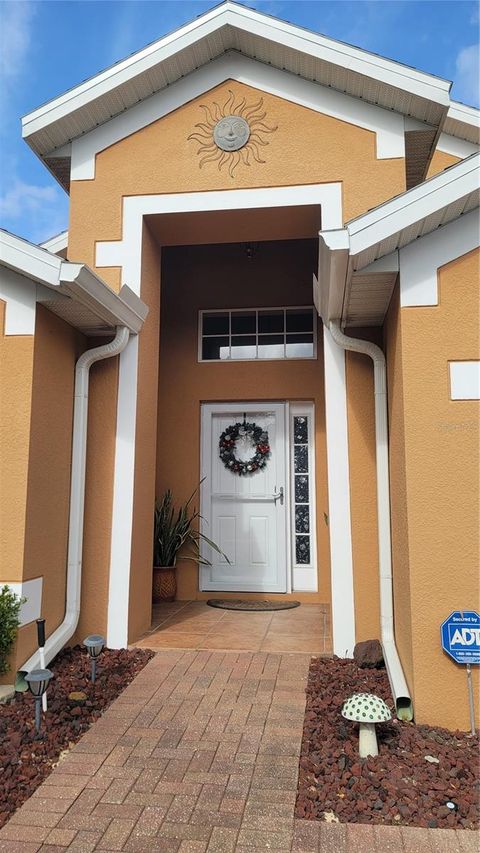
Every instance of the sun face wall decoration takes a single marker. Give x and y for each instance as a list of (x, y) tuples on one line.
[(231, 134)]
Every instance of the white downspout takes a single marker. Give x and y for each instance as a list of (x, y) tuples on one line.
[(65, 631), (398, 683)]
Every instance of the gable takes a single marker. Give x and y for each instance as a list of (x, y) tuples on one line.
[(290, 145), (231, 30)]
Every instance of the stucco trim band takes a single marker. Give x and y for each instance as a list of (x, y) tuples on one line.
[(420, 260)]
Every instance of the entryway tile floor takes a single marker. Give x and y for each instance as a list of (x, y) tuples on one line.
[(195, 625), (199, 755)]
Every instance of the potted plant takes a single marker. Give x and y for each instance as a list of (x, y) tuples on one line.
[(172, 530)]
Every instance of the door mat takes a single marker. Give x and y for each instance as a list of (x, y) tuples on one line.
[(239, 604)]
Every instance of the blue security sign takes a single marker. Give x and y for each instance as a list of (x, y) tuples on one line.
[(461, 636)]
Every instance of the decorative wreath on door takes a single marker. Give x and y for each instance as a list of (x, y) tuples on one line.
[(259, 440)]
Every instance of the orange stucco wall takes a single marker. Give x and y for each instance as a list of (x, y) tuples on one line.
[(195, 278), (398, 489), (16, 379), (435, 487), (363, 495), (57, 347), (439, 162), (102, 422)]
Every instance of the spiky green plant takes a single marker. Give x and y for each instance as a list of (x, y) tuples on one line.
[(174, 529)]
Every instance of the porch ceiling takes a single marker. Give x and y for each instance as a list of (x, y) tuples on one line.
[(236, 226)]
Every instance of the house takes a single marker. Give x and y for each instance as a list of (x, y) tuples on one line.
[(215, 178)]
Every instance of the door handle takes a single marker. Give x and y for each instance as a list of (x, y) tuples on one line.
[(278, 496)]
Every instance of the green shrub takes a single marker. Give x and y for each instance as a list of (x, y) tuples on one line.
[(9, 612)]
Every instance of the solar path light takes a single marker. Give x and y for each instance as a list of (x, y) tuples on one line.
[(94, 644), (37, 681), (41, 649)]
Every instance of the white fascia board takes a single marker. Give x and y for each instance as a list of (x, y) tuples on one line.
[(387, 125), (465, 121), (333, 258), (230, 15), (414, 205), (56, 244), (125, 309), (29, 260), (122, 72)]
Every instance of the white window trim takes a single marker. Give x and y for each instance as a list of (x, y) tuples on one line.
[(256, 333), (304, 575)]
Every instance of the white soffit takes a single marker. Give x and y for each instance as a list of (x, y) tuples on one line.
[(231, 27)]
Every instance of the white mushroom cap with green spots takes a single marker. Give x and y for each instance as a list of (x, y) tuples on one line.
[(366, 708)]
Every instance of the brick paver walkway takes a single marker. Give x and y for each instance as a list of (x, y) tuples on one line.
[(198, 754)]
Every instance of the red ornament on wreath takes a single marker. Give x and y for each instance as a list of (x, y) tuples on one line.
[(259, 439)]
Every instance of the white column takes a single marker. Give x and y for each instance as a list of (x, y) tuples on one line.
[(340, 528), (122, 510)]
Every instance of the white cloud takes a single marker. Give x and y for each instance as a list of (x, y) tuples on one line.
[(40, 211), (16, 29), (16, 20), (22, 197), (467, 79)]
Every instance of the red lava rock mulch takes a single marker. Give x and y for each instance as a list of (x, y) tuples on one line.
[(399, 786), (26, 761)]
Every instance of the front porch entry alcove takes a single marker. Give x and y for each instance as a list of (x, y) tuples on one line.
[(245, 259), (154, 228)]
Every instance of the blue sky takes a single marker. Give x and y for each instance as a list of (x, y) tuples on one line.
[(48, 47)]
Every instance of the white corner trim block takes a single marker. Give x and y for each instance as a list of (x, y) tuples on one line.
[(464, 380), (31, 609), (388, 126), (20, 302), (456, 147), (421, 260), (339, 518)]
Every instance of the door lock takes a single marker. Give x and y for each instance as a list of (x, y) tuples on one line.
[(278, 496)]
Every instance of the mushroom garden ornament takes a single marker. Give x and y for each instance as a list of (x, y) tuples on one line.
[(366, 709)]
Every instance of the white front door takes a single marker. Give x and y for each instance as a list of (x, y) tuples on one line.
[(245, 515)]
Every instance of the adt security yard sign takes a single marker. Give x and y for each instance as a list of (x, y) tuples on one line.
[(461, 636), (461, 640)]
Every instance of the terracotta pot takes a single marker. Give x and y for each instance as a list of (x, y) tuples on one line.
[(164, 584)]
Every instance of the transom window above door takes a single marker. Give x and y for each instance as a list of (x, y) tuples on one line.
[(257, 333)]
